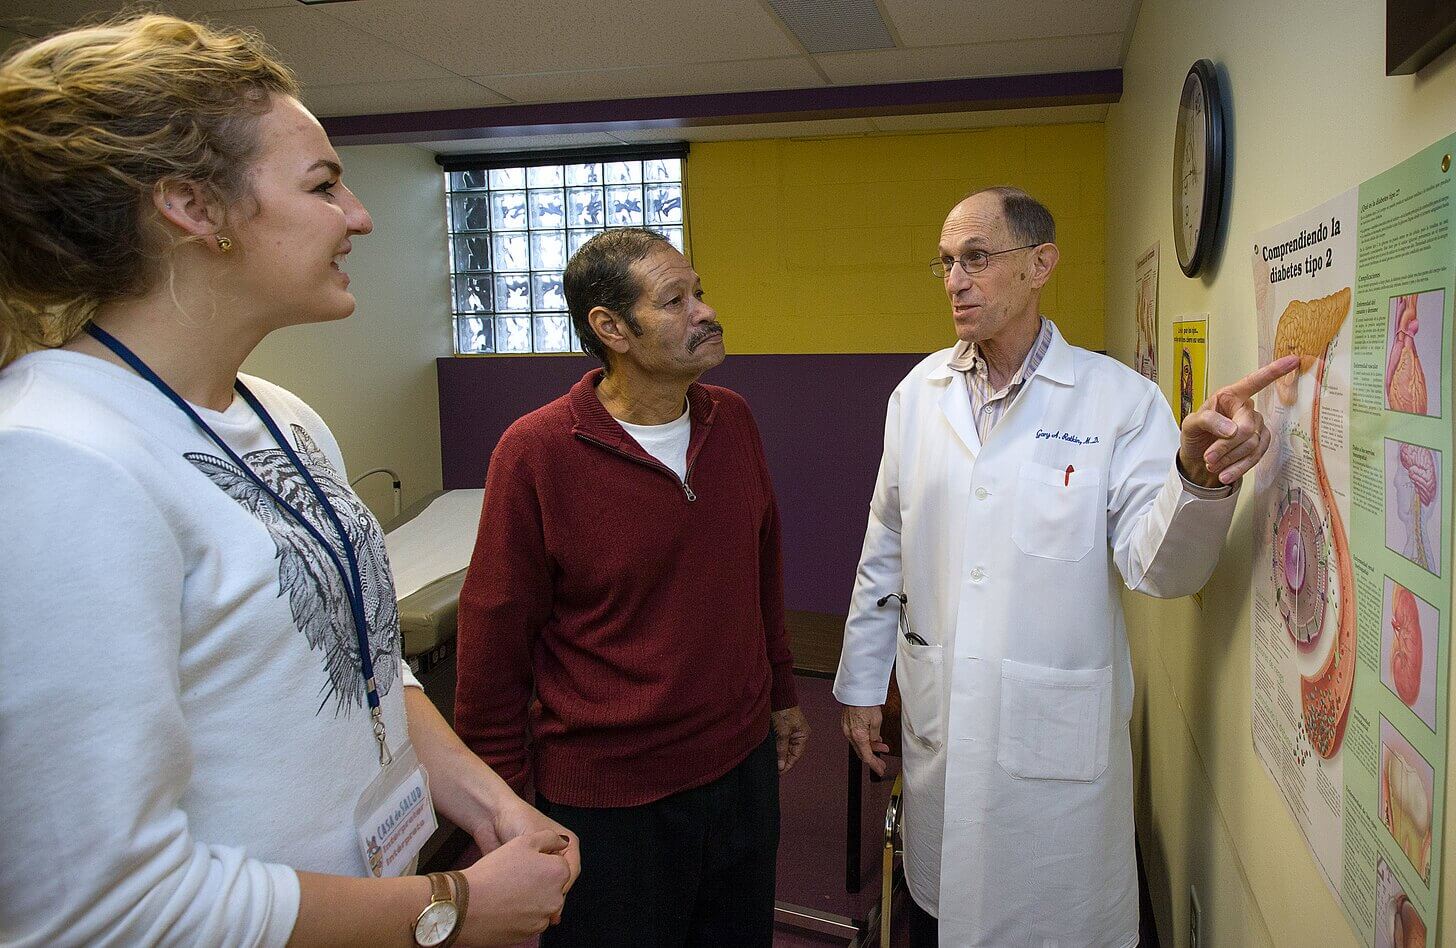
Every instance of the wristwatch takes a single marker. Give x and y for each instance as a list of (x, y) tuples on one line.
[(440, 922)]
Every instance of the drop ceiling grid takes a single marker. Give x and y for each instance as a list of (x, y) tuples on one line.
[(937, 23), (463, 36), (374, 56)]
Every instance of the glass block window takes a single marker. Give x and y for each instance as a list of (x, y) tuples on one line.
[(512, 229)]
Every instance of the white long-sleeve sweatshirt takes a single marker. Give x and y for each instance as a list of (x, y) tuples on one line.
[(182, 715)]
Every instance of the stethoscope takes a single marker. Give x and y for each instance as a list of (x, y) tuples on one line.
[(904, 602)]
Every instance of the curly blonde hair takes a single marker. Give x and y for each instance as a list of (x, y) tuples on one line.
[(92, 121)]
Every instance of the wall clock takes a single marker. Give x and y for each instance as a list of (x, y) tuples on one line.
[(1199, 168)]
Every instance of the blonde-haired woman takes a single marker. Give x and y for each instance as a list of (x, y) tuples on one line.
[(209, 736)]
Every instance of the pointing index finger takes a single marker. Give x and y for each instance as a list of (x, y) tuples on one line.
[(1256, 381)]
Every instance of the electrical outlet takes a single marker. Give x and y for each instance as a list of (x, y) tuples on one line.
[(1195, 920)]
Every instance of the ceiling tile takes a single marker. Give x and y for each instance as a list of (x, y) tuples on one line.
[(640, 81), (200, 7), (1062, 54), (53, 11), (409, 95), (8, 39), (322, 49), (36, 17), (325, 51), (475, 39), (937, 23)]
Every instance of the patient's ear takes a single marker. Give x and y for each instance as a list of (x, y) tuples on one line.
[(610, 328)]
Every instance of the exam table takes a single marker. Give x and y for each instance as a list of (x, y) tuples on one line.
[(429, 547)]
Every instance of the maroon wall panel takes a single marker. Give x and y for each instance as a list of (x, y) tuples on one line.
[(822, 419)]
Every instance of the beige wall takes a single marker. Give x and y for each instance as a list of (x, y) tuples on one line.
[(372, 376), (1313, 114)]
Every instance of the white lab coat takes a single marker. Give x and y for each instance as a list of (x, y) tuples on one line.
[(1017, 761)]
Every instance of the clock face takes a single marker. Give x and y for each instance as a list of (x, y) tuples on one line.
[(1192, 168), (1198, 167)]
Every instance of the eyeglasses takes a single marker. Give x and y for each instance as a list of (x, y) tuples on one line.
[(972, 262)]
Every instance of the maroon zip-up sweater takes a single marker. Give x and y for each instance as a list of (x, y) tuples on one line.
[(645, 612)]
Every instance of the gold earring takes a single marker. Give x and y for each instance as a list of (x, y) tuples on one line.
[(224, 244)]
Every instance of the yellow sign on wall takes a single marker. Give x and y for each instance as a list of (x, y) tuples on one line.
[(1190, 362)]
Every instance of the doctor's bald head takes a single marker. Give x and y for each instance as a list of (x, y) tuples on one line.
[(996, 252), (1028, 221)]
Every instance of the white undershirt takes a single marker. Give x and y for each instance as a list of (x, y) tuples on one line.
[(668, 443)]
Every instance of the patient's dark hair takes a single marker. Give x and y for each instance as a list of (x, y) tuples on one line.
[(600, 274), (1027, 218)]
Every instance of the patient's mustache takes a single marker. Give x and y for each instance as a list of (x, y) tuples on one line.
[(703, 333)]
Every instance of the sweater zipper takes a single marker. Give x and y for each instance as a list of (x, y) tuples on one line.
[(655, 465)]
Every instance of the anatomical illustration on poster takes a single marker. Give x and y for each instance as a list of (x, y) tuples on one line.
[(1352, 531), (1145, 348)]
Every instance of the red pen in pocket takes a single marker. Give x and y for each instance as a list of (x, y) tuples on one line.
[(1067, 480)]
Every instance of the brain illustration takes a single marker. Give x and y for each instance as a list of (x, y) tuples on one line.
[(1420, 464)]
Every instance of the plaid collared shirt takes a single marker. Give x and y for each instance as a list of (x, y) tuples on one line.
[(988, 406)]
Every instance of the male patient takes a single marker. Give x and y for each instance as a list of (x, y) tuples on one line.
[(627, 574)]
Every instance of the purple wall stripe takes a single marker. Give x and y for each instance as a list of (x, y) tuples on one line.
[(732, 108), (822, 418), (479, 398)]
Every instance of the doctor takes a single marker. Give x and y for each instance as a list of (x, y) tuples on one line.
[(1019, 472)]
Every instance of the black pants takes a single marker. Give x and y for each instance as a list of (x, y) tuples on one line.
[(924, 927), (695, 868)]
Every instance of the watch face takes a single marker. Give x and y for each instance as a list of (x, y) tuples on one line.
[(436, 923)]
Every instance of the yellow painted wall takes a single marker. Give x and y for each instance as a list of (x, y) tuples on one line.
[(1313, 115), (824, 245)]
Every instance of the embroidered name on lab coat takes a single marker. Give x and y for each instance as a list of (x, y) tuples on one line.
[(1044, 435)]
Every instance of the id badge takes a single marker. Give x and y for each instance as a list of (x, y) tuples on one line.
[(395, 815)]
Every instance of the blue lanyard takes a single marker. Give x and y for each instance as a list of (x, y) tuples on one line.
[(353, 584)]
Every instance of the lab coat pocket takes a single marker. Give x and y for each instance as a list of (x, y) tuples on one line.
[(1056, 511), (918, 670), (1055, 723)]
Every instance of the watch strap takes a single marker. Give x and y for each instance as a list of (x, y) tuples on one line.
[(462, 903), (439, 892), (439, 887)]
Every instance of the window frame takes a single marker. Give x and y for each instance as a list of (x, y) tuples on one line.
[(458, 270)]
